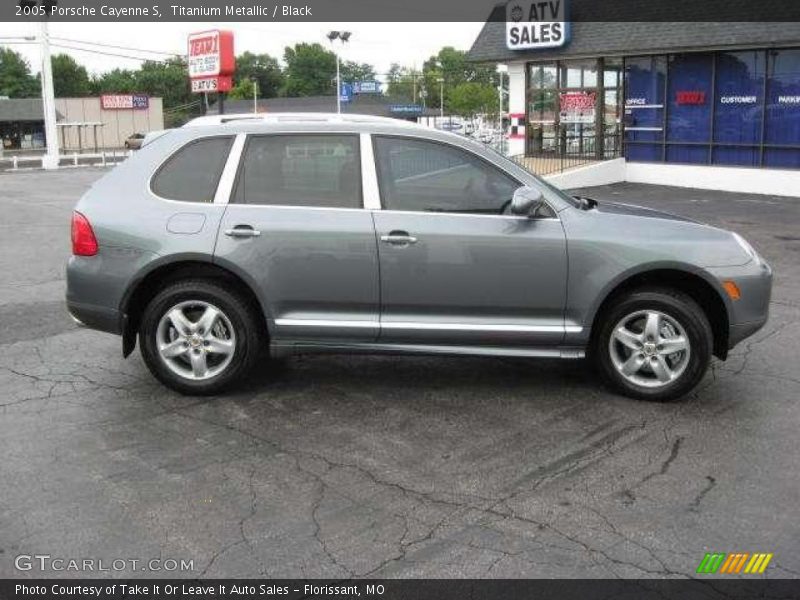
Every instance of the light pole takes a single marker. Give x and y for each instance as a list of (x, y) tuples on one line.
[(441, 97), (255, 94), (500, 70), (333, 36)]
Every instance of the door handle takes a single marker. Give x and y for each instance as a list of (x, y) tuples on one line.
[(398, 238), (242, 231)]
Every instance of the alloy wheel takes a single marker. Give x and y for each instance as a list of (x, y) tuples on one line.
[(195, 340), (649, 348)]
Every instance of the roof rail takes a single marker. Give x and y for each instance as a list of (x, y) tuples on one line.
[(308, 117)]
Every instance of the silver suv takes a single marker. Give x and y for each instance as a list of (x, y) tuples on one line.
[(319, 233)]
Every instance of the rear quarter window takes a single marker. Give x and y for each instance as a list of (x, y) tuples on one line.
[(192, 173)]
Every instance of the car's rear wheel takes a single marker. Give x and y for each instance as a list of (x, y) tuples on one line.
[(198, 338), (654, 344)]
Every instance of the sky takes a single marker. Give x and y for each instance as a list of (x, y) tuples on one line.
[(379, 44)]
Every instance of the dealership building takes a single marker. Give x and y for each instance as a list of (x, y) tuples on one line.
[(707, 103)]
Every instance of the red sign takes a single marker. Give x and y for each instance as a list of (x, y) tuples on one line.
[(577, 107), (690, 97), (212, 62)]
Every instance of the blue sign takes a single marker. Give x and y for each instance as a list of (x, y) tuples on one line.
[(346, 92), (414, 109), (367, 87)]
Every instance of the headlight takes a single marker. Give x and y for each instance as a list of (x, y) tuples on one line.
[(745, 245)]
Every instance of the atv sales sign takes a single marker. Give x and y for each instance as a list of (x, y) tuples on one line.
[(211, 60), (536, 24)]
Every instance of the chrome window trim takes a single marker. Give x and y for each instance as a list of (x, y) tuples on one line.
[(500, 327), (228, 178), (454, 214), (370, 193)]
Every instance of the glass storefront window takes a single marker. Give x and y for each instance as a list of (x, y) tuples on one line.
[(645, 79), (782, 123), (689, 101)]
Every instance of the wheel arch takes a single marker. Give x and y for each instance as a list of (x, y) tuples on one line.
[(175, 268), (701, 287)]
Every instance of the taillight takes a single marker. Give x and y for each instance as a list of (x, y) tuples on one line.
[(83, 241)]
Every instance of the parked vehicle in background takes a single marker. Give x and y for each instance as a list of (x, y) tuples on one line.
[(325, 233), (134, 142)]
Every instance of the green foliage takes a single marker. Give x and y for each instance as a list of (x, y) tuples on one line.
[(310, 70), (471, 98), (351, 71), (70, 80), (400, 82), (118, 81), (16, 80), (264, 69), (169, 80), (242, 90), (452, 65)]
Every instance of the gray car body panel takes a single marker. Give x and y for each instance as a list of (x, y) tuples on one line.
[(491, 284)]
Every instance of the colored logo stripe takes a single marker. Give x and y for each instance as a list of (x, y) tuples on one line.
[(721, 562)]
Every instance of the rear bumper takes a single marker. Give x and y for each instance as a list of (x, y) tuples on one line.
[(95, 317)]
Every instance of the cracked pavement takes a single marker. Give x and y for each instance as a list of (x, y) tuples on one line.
[(358, 466)]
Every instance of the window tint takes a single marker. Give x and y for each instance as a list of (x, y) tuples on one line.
[(301, 170), (192, 173), (428, 176)]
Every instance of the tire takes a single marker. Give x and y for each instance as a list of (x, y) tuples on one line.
[(660, 368), (229, 348)]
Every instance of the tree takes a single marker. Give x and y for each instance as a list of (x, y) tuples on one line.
[(472, 98), (310, 70), (242, 90), (168, 80), (352, 71), (16, 80), (400, 82), (453, 66), (118, 81), (70, 80), (264, 69)]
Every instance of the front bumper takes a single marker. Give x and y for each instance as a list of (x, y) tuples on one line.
[(750, 312)]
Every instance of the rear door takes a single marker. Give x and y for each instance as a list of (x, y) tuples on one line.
[(295, 223), (456, 267)]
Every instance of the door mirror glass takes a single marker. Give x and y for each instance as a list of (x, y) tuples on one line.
[(526, 201)]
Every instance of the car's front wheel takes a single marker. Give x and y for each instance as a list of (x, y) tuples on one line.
[(199, 338), (654, 344)]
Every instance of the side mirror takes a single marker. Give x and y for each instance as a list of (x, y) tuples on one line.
[(525, 201)]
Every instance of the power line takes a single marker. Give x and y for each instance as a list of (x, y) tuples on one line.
[(91, 51), (101, 45)]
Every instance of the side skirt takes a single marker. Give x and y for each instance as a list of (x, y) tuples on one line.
[(279, 349)]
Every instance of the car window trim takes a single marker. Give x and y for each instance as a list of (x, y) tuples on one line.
[(246, 144), (418, 138), (163, 163)]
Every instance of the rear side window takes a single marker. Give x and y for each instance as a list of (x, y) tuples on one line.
[(193, 172), (301, 170)]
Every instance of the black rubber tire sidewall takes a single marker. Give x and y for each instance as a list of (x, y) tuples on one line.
[(680, 307), (242, 317)]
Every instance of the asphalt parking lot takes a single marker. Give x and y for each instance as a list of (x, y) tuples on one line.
[(384, 466)]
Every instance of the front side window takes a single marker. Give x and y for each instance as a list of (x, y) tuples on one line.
[(193, 172), (417, 175), (301, 170)]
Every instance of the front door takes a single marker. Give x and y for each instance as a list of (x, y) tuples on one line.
[(456, 267), (296, 224)]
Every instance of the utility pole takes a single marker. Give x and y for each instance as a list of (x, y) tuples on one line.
[(441, 97), (51, 158), (255, 94)]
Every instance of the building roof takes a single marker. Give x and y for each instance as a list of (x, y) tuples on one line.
[(23, 109), (377, 105), (592, 38)]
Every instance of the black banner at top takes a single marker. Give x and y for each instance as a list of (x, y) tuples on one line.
[(443, 11)]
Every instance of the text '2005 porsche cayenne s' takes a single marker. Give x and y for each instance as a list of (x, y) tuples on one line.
[(234, 239)]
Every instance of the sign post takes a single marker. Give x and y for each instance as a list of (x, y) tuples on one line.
[(212, 63)]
